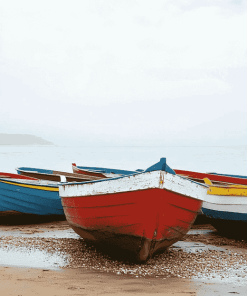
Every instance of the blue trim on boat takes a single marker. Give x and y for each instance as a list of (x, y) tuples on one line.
[(106, 170), (29, 200), (150, 169), (20, 182), (225, 215), (234, 176), (34, 170), (161, 166)]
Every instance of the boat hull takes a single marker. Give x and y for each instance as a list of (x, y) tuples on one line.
[(100, 172), (15, 176), (242, 180), (227, 213), (51, 175), (29, 197), (135, 213), (77, 170)]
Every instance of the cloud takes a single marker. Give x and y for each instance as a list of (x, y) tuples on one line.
[(109, 54)]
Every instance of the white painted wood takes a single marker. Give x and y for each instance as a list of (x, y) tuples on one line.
[(226, 199), (32, 182), (233, 208), (142, 181), (63, 178)]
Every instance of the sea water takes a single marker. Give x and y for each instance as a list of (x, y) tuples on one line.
[(221, 159)]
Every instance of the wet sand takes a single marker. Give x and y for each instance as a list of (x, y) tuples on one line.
[(16, 281), (40, 256)]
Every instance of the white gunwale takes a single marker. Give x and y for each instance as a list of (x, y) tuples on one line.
[(142, 181)]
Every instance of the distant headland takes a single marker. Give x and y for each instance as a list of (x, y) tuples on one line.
[(22, 139)]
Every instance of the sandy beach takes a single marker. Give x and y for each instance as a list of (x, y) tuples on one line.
[(24, 281), (42, 256)]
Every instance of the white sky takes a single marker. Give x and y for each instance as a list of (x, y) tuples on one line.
[(125, 72)]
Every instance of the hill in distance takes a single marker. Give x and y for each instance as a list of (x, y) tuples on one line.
[(22, 139)]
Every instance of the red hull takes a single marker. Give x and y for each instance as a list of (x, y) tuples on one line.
[(143, 221), (76, 170), (214, 178), (15, 176)]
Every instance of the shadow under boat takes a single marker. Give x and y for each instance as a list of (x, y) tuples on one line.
[(17, 218)]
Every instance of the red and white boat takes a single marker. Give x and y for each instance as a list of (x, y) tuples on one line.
[(143, 213)]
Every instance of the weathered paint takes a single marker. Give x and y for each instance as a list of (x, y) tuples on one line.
[(155, 179), (86, 171), (224, 190), (42, 187), (143, 213), (100, 172), (30, 196), (107, 172), (15, 176), (52, 175)]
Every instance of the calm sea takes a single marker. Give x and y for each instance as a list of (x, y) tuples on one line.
[(221, 159)]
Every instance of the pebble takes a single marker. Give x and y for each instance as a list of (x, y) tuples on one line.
[(174, 262)]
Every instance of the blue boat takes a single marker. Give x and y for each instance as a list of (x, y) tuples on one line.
[(102, 172), (30, 196), (52, 175)]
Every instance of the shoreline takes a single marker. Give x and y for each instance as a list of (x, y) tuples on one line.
[(47, 257)]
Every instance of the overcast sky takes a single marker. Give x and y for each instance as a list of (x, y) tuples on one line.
[(125, 72)]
